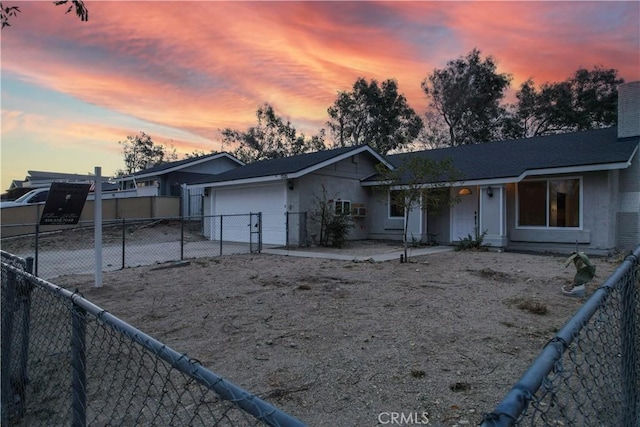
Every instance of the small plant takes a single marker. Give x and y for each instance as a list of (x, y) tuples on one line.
[(414, 242), (418, 373), (472, 242)]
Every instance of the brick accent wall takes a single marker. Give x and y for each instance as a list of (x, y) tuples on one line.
[(629, 109), (628, 217)]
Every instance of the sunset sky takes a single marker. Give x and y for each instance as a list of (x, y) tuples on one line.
[(181, 71)]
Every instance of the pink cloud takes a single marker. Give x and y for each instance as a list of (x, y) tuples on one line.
[(200, 66)]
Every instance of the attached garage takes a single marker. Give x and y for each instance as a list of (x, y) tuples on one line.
[(275, 188), (268, 199)]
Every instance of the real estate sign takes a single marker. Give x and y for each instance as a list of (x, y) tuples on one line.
[(64, 203)]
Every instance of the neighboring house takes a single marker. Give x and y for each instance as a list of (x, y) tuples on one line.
[(169, 179), (546, 193)]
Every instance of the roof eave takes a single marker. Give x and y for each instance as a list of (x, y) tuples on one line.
[(525, 174)]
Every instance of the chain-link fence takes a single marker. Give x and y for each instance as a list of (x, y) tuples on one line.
[(134, 242), (65, 361), (589, 373)]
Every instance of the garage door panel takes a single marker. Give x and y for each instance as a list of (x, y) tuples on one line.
[(269, 200)]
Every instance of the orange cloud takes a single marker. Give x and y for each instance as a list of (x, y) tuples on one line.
[(196, 67)]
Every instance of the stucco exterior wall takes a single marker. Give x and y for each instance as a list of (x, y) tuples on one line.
[(381, 226), (628, 215), (342, 180)]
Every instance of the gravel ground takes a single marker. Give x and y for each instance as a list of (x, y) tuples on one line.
[(342, 343)]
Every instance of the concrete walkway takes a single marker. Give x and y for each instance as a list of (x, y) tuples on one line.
[(387, 256)]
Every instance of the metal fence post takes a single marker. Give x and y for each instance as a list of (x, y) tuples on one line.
[(124, 233), (259, 232), (181, 237), (29, 266), (286, 222), (221, 235), (78, 366), (9, 292), (629, 357), (304, 229), (25, 288), (35, 271)]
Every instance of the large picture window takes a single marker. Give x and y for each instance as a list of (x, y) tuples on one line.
[(549, 203)]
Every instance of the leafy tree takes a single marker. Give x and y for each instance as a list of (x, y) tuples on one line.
[(418, 181), (467, 94), (374, 115), (586, 100), (7, 12), (434, 134), (198, 153), (271, 138), (140, 152)]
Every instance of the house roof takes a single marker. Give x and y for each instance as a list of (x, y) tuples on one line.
[(177, 165), (511, 161), (288, 167)]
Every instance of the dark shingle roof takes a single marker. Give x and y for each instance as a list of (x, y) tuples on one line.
[(506, 159), (280, 166)]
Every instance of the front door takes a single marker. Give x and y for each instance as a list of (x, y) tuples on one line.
[(465, 216)]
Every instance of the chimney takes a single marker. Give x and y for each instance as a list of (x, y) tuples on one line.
[(629, 109)]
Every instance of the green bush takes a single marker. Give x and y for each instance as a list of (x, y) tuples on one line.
[(472, 242), (337, 229)]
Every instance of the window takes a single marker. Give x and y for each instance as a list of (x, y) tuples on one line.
[(343, 207), (549, 203), (396, 206)]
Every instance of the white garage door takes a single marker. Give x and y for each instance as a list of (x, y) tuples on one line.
[(267, 199)]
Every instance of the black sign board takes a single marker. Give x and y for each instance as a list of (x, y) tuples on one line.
[(64, 203)]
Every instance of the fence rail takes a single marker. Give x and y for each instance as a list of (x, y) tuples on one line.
[(589, 373), (67, 361)]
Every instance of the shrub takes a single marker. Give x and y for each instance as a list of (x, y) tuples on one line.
[(472, 242)]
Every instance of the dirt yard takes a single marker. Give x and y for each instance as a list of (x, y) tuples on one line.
[(340, 343)]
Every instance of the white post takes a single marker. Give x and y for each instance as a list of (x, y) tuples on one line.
[(97, 226)]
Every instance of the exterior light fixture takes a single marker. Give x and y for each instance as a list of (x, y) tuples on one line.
[(489, 191), (464, 191)]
